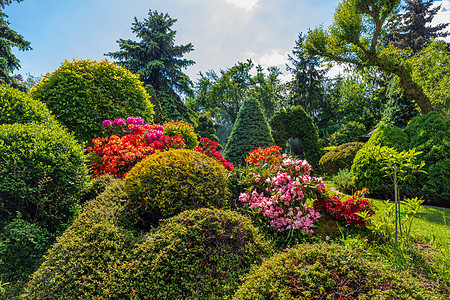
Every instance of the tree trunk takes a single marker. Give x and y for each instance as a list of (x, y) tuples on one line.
[(415, 93)]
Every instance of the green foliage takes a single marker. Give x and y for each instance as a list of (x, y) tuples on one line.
[(19, 107), (198, 254), (206, 129), (348, 132), (250, 131), (296, 123), (167, 183), (399, 109), (87, 260), (24, 243), (96, 186), (366, 169), (159, 64), (9, 39), (341, 157), (343, 181), (42, 171), (356, 38), (84, 93), (329, 271), (430, 134), (182, 129)]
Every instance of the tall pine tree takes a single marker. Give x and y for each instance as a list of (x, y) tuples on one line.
[(307, 77), (159, 62), (411, 28), (9, 39)]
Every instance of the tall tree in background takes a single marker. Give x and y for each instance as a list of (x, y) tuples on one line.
[(412, 29), (159, 62), (307, 79), (8, 40), (356, 37)]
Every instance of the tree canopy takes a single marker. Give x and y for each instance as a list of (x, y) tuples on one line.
[(356, 37), (159, 63), (9, 39)]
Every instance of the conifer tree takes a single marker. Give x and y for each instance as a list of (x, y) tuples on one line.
[(250, 131), (412, 29), (159, 63)]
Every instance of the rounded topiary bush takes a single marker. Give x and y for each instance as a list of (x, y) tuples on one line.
[(19, 107), (167, 183), (42, 172), (96, 186), (324, 271), (340, 157), (84, 93), (198, 254), (430, 134), (367, 171), (86, 261)]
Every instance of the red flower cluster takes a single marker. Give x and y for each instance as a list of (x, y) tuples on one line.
[(119, 154), (209, 149), (270, 155), (346, 210)]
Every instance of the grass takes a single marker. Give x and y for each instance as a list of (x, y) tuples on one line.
[(427, 253)]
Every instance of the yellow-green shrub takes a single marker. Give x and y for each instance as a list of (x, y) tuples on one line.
[(84, 93), (198, 254), (167, 183), (340, 157), (183, 129), (322, 271), (86, 261)]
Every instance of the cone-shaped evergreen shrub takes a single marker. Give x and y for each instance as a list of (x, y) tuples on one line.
[(250, 131)]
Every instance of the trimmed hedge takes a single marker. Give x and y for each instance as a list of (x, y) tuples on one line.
[(182, 129), (19, 107), (296, 123), (250, 131), (84, 93), (340, 157), (42, 172), (167, 183), (198, 254), (322, 271)]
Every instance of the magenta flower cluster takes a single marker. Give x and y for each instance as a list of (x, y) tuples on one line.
[(117, 126), (154, 134), (282, 197)]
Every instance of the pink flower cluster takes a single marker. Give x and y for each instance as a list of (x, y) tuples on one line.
[(281, 197), (134, 123), (155, 134), (208, 148)]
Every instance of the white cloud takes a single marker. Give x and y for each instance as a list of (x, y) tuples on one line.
[(248, 5), (272, 58)]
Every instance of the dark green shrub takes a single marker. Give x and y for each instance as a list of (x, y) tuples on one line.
[(167, 183), (84, 93), (430, 134), (324, 271), (250, 131), (295, 123), (199, 254), (399, 109), (42, 172), (347, 133), (182, 129), (19, 107), (340, 157), (97, 186), (367, 172), (86, 261), (205, 129)]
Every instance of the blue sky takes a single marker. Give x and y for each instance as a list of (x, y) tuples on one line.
[(223, 32)]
